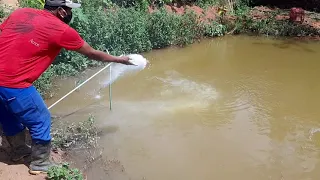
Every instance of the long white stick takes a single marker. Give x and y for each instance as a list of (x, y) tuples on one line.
[(79, 85), (110, 89)]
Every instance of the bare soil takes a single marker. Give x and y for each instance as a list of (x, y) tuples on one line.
[(10, 170)]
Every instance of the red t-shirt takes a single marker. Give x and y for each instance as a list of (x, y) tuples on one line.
[(30, 39)]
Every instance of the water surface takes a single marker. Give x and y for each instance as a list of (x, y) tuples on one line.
[(241, 108)]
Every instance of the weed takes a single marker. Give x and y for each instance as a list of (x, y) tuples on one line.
[(64, 172), (189, 29), (78, 135), (32, 3), (2, 12), (214, 29)]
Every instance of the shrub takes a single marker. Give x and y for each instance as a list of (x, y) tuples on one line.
[(2, 12), (188, 29), (214, 29), (32, 3), (167, 29), (129, 31), (162, 28)]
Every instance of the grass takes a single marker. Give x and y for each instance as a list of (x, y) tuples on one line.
[(64, 172), (83, 134)]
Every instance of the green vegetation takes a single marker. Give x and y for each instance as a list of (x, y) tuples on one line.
[(64, 172), (269, 25), (2, 12), (81, 135)]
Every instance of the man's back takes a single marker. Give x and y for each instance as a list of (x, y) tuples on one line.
[(30, 39)]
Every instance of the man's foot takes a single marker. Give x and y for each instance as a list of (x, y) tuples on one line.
[(40, 159), (19, 147)]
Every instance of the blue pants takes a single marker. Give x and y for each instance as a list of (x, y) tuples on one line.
[(21, 108)]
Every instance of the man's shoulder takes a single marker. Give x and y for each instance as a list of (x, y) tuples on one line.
[(25, 10), (26, 14)]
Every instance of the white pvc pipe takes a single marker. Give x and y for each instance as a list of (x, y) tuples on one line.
[(81, 85), (110, 92)]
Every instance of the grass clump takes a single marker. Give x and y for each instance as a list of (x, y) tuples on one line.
[(2, 12), (83, 134), (214, 29), (64, 172)]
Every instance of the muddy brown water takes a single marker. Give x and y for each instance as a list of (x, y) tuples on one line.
[(228, 108)]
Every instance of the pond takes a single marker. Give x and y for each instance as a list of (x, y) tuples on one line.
[(228, 108)]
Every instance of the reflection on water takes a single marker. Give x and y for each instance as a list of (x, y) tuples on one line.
[(288, 43), (228, 108)]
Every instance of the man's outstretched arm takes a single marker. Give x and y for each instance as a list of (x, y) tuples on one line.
[(71, 40), (91, 53)]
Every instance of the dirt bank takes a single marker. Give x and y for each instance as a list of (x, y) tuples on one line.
[(256, 14)]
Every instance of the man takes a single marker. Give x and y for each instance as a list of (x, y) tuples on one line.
[(30, 39)]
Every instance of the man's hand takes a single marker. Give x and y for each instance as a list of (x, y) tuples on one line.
[(91, 53), (124, 60)]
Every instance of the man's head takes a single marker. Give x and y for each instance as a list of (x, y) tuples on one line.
[(61, 8)]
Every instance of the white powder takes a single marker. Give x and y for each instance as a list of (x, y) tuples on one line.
[(118, 70)]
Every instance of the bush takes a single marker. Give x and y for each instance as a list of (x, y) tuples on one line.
[(188, 29), (171, 29), (2, 12), (32, 3), (214, 29), (162, 28), (129, 32)]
